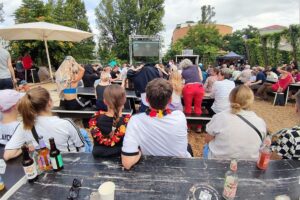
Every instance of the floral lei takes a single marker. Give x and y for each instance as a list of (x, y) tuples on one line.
[(100, 138), (157, 113)]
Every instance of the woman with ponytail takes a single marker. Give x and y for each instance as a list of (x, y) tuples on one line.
[(237, 133), (108, 128), (35, 109)]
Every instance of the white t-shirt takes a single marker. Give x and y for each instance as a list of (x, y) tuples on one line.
[(220, 92), (65, 133), (7, 130), (234, 138), (166, 136), (124, 73)]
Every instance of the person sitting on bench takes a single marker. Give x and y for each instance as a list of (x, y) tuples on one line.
[(238, 132), (108, 128), (158, 131), (100, 87), (35, 109), (68, 76)]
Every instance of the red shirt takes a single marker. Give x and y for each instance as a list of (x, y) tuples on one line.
[(27, 62), (283, 83)]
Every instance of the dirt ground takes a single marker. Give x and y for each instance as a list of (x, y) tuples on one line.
[(276, 117)]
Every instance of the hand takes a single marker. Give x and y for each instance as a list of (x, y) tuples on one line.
[(15, 80), (279, 89)]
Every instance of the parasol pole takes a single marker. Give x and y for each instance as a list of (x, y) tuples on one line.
[(48, 58)]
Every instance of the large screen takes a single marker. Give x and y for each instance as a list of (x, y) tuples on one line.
[(145, 48)]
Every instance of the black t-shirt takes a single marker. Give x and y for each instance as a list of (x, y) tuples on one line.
[(100, 91), (261, 77), (104, 123)]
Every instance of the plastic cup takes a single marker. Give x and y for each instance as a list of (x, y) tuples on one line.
[(107, 191)]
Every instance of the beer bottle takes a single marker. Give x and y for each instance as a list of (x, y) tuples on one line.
[(55, 156), (231, 181), (264, 154), (44, 156), (29, 165)]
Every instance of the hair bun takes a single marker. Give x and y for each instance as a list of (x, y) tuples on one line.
[(235, 106)]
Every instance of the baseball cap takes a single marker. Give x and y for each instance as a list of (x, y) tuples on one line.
[(9, 98)]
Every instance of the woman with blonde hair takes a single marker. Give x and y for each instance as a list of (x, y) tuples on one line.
[(38, 122), (176, 81), (238, 132)]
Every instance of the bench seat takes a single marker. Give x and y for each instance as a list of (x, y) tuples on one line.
[(82, 114)]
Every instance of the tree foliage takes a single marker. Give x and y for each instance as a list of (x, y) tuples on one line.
[(207, 14), (117, 19), (71, 13), (205, 40), (1, 13)]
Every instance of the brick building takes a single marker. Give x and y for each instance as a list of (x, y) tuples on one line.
[(182, 29)]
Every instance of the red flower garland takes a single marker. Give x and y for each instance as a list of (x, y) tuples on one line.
[(100, 138), (157, 113)]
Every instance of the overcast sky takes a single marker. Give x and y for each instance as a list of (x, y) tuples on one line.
[(235, 13)]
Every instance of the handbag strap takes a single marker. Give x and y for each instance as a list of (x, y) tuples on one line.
[(35, 135), (251, 125)]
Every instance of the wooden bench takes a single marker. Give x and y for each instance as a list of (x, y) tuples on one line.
[(85, 113)]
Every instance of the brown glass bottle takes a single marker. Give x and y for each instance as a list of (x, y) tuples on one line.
[(55, 156), (28, 165), (44, 156)]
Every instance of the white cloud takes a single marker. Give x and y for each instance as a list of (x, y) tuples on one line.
[(236, 13)]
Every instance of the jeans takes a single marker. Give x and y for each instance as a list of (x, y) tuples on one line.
[(6, 84), (193, 92)]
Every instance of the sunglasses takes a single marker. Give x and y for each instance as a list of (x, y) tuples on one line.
[(74, 190)]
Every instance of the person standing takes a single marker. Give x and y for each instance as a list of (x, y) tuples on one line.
[(7, 74)]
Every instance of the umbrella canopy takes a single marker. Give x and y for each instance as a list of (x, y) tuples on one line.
[(43, 31), (232, 55)]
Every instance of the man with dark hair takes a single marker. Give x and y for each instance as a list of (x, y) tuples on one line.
[(158, 131)]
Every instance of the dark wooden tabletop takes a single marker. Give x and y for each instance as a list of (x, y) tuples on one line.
[(13, 173), (164, 178)]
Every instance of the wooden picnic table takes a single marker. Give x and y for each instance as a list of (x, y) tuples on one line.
[(164, 178)]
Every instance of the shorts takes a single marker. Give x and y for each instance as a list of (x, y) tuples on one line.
[(76, 104)]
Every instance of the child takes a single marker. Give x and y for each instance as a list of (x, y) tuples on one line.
[(176, 82), (108, 128), (8, 123), (104, 82), (158, 131), (88, 144)]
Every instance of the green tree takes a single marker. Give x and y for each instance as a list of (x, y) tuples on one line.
[(293, 34), (1, 13), (59, 12), (264, 42), (117, 19), (205, 40), (207, 14), (234, 42)]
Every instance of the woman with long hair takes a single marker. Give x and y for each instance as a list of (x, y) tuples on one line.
[(231, 133), (68, 75), (176, 81), (108, 128), (35, 109)]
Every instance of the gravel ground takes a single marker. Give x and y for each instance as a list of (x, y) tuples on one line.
[(276, 118)]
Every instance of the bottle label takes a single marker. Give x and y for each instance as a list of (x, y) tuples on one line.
[(230, 187), (60, 161), (44, 162), (53, 162), (30, 171)]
